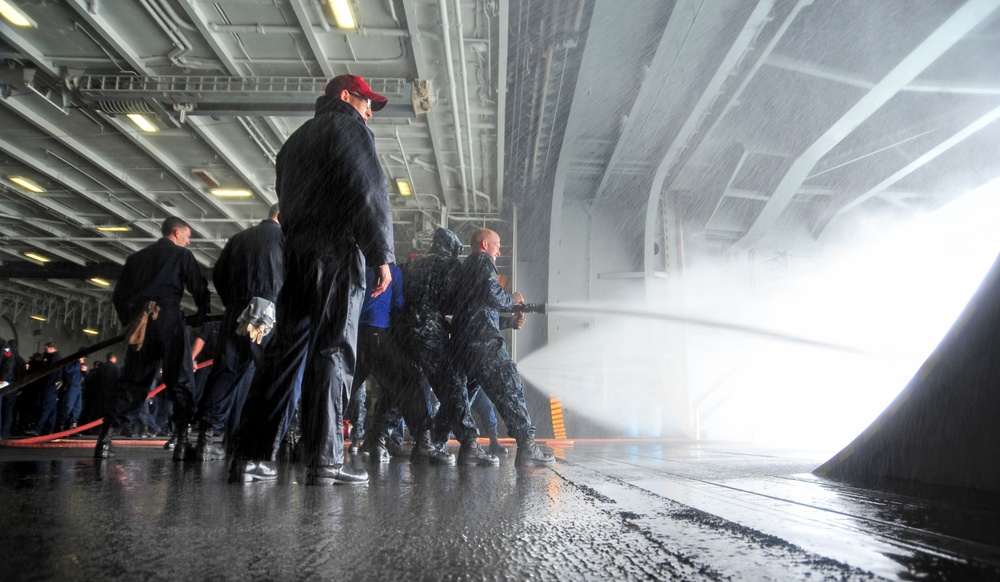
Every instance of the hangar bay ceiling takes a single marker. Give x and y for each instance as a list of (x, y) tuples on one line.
[(754, 125)]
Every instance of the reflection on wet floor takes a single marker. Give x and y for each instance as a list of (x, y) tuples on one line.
[(620, 510)]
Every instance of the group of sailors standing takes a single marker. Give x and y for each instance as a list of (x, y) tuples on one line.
[(310, 273)]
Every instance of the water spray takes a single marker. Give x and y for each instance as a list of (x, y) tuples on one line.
[(684, 319)]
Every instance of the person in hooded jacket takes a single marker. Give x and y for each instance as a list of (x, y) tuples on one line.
[(478, 345), (429, 282), (250, 268), (336, 219), (397, 375)]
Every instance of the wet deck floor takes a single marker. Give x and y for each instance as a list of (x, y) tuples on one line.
[(606, 511)]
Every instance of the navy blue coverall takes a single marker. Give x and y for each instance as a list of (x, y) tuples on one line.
[(252, 264), (478, 344), (160, 273)]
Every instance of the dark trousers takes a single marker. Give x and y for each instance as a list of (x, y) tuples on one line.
[(233, 357), (48, 407), (488, 364), (316, 331), (8, 403), (70, 406), (166, 345), (398, 378), (428, 346)]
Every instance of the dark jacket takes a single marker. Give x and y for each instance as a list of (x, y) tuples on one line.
[(331, 186), (251, 265), (479, 300), (429, 280), (159, 272), (7, 361), (72, 374)]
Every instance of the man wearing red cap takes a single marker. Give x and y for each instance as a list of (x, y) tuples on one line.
[(336, 219)]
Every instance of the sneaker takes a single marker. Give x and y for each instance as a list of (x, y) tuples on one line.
[(335, 474), (470, 453), (529, 454)]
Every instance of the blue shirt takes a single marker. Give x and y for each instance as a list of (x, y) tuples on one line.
[(377, 311)]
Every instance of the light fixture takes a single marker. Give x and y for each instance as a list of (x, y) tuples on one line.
[(15, 16), (99, 282), (26, 183), (342, 14), (37, 257), (113, 228), (38, 318), (231, 192), (143, 123), (89, 331), (404, 187)]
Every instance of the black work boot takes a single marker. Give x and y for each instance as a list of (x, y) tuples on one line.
[(355, 447), (206, 450), (470, 453), (496, 448), (243, 471), (425, 451), (395, 449), (529, 454), (375, 447), (182, 443), (104, 448), (335, 474)]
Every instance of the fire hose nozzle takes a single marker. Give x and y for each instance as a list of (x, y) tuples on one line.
[(529, 308)]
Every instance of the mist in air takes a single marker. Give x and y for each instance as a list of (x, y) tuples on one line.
[(806, 360)]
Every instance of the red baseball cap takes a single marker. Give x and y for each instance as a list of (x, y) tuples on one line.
[(355, 84)]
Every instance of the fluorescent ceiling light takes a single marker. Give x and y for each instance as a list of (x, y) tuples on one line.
[(26, 183), (342, 14), (143, 123), (38, 318), (100, 282), (37, 257), (14, 15), (89, 331), (231, 192), (112, 228), (404, 187)]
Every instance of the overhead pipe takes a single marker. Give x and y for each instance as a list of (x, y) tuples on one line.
[(446, 37), (465, 98), (409, 176)]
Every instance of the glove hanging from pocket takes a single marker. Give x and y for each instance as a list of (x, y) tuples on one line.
[(257, 319), (135, 334)]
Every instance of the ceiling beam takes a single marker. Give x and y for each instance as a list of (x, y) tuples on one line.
[(109, 32), (183, 175), (206, 130), (427, 72), (302, 15), (86, 152), (963, 20), (755, 22), (916, 164), (14, 38)]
